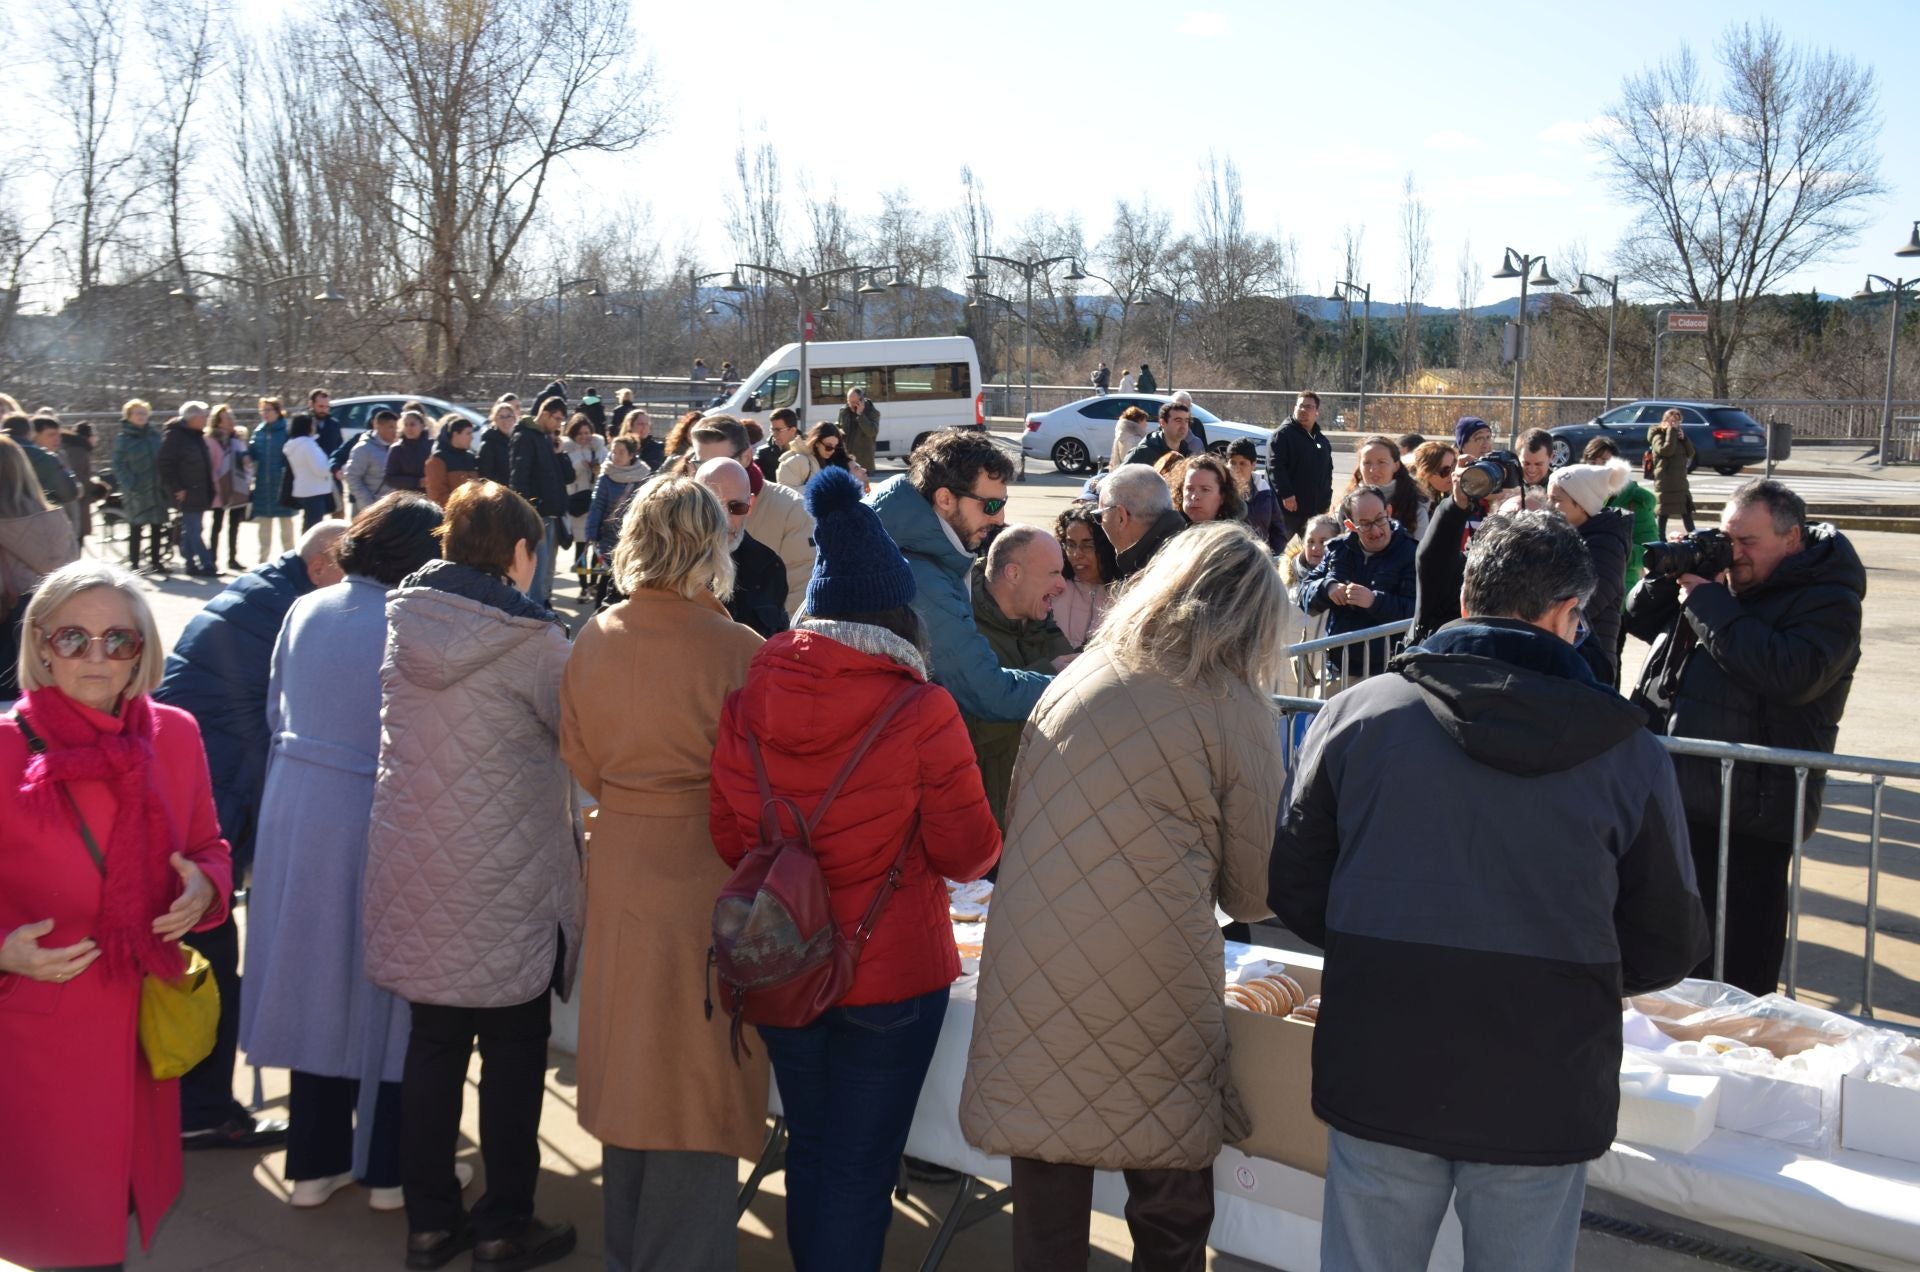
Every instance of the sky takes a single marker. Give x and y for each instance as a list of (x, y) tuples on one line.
[(1325, 107)]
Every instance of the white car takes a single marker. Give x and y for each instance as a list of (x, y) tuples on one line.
[(1078, 437)]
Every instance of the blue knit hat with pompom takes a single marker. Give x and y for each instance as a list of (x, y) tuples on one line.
[(858, 568)]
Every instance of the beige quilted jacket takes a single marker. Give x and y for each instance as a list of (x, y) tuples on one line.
[(1100, 1038)]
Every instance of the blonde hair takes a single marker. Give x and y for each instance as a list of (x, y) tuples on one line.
[(10, 405), (214, 417), (20, 492), (674, 538), (273, 402), (136, 404), (1206, 611), (67, 582), (1672, 415)]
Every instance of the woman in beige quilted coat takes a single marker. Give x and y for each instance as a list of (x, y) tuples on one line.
[(659, 1086), (1145, 792)]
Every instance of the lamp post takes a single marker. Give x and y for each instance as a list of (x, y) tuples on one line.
[(1007, 307), (859, 295), (1516, 265), (1028, 269), (800, 283), (1343, 291), (1613, 318), (326, 295), (560, 310), (1173, 311), (1897, 288)]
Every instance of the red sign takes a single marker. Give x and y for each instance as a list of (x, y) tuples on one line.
[(1687, 322), (809, 325)]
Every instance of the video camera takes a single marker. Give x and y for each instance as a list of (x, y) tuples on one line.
[(1706, 553), (1494, 471)]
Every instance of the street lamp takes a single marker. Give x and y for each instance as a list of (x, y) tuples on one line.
[(1343, 291), (1912, 247), (326, 296), (1612, 285), (859, 295), (1515, 265), (801, 283), (1173, 311), (560, 311), (1896, 287), (1028, 269)]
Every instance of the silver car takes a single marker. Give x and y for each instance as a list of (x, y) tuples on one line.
[(1078, 437)]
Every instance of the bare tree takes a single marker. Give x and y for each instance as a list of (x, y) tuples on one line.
[(1135, 254), (756, 222), (101, 141), (1416, 275), (1233, 269), (905, 236), (1467, 299), (1738, 190)]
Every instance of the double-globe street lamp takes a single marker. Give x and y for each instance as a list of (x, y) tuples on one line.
[(859, 295), (801, 284), (326, 295), (1029, 269), (1518, 265), (1612, 285), (1896, 288), (1343, 293)]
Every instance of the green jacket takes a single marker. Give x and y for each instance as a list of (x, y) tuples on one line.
[(136, 473), (1638, 501), (1025, 644)]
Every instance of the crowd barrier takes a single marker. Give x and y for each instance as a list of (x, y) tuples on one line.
[(1317, 677)]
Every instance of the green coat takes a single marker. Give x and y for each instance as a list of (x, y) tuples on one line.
[(1026, 644), (1638, 501), (136, 472), (1672, 453), (862, 433)]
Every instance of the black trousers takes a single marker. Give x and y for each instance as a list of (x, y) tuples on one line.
[(1757, 879), (513, 1071), (1169, 1213), (231, 516), (206, 1090), (156, 545), (320, 1129)]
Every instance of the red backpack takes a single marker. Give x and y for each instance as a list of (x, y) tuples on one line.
[(782, 960)]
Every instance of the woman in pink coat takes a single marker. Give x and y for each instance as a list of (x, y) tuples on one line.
[(90, 1135)]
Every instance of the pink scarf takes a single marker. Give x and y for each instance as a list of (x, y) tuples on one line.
[(140, 883)]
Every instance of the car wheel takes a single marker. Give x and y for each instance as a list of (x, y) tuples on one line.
[(1728, 470), (1562, 453), (1070, 455)]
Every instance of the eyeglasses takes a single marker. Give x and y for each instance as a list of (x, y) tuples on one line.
[(1444, 472), (120, 644), (1580, 629), (988, 506), (1381, 522), (739, 507)]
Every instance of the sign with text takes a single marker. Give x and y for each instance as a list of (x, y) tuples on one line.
[(1687, 322)]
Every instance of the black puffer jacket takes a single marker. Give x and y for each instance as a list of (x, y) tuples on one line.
[(186, 466), (536, 475), (1300, 467), (1771, 666), (1608, 535)]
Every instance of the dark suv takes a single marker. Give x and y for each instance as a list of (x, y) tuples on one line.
[(1726, 438)]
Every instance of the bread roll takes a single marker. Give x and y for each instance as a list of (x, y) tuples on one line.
[(1293, 988)]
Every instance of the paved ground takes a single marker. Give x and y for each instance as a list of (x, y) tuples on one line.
[(233, 1216)]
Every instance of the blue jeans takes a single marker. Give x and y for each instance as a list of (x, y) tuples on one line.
[(193, 542), (543, 567), (1384, 1206), (848, 1084)]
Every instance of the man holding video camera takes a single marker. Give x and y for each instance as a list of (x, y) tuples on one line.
[(1756, 633)]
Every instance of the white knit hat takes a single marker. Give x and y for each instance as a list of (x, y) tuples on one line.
[(1591, 485)]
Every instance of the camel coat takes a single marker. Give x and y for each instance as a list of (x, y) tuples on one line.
[(655, 1071)]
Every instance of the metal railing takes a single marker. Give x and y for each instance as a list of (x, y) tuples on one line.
[(1803, 763), (1316, 675)]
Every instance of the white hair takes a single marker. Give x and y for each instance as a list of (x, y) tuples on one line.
[(321, 540), (1138, 489), (61, 586), (193, 406)]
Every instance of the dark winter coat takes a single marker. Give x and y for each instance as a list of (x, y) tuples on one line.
[(1146, 383), (1673, 454), (186, 467), (218, 673), (493, 455), (1607, 534), (136, 474), (267, 448), (1031, 644), (1155, 445), (1511, 930), (1440, 567), (767, 459), (1265, 520), (759, 598), (535, 475), (1135, 559), (1771, 666), (56, 482), (1389, 573), (1300, 467), (617, 484), (407, 463)]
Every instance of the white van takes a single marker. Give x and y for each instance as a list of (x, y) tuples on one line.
[(920, 386)]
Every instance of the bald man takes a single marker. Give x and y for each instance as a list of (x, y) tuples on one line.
[(759, 597)]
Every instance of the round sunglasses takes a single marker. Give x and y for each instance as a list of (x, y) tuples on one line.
[(119, 644)]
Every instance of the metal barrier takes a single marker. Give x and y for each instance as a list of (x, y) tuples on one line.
[(1313, 670), (1803, 764)]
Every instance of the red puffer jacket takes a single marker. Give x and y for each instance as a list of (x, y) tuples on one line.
[(809, 699)]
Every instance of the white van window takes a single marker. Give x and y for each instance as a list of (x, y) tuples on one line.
[(778, 389), (930, 383), (832, 384)]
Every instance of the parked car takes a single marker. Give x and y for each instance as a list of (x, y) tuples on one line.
[(1078, 437), (1726, 438), (356, 413)]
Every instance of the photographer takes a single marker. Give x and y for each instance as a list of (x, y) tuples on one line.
[(1756, 633)]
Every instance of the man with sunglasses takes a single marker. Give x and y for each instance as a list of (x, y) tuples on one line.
[(1137, 515), (939, 513), (1366, 579), (759, 597)]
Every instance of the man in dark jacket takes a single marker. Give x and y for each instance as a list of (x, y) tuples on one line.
[(186, 479), (219, 674), (1146, 383), (1137, 515), (537, 475), (1014, 586), (860, 427), (1101, 379), (759, 598), (1557, 885), (1300, 465), (1764, 654), (556, 388), (782, 427), (595, 410), (1174, 434), (1366, 578), (326, 425), (39, 437)]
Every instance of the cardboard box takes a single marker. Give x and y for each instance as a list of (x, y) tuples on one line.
[(1675, 1111), (1878, 1117), (1272, 1065)]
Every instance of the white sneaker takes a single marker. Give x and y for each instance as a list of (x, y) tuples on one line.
[(315, 1192), (395, 1198)]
